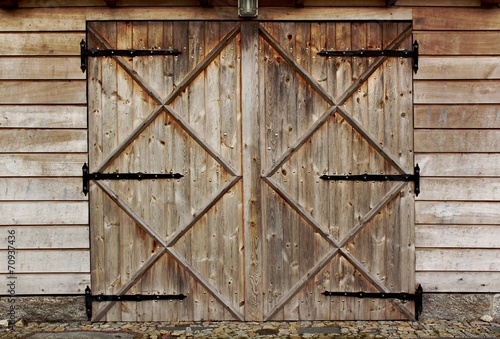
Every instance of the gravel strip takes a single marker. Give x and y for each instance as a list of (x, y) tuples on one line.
[(291, 330)]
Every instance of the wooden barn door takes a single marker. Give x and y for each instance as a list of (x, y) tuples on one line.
[(251, 117)]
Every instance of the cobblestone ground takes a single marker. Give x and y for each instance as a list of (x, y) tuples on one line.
[(340, 330)]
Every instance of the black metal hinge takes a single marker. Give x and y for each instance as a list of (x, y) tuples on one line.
[(122, 176), (417, 297), (379, 177), (377, 53), (84, 53), (89, 298)]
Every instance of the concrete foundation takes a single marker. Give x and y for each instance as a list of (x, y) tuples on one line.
[(459, 307)]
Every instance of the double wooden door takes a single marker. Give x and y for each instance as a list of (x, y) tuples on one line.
[(251, 116)]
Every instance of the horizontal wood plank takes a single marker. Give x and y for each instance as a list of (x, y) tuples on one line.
[(44, 165), (44, 213), (47, 237), (457, 92), (42, 19), (457, 212), (55, 21), (46, 43), (42, 140), (457, 116), (50, 283), (477, 282), (43, 68), (464, 236), (459, 164), (458, 68), (468, 260), (467, 141), (450, 19), (43, 92), (53, 261), (27, 116), (17, 189), (441, 3), (458, 43), (456, 189)]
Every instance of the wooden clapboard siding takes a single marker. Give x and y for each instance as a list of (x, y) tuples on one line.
[(45, 261), (42, 164), (458, 43), (457, 116), (43, 116), (50, 283), (457, 141), (457, 144), (455, 19), (459, 164), (43, 140), (43, 213), (36, 68), (464, 260), (42, 92), (458, 68), (457, 236), (457, 92), (48, 237), (46, 43), (457, 212), (460, 189), (18, 189), (472, 282)]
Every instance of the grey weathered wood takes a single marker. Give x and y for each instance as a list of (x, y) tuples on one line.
[(48, 261), (457, 212), (50, 283), (43, 213), (48, 237), (465, 260), (479, 282), (457, 236)]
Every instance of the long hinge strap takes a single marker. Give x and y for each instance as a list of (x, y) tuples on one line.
[(415, 178), (84, 53), (378, 53), (122, 176), (417, 297), (89, 298)]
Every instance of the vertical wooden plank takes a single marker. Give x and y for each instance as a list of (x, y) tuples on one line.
[(251, 171), (375, 124), (407, 211), (154, 156), (217, 251), (97, 259), (199, 190), (109, 137), (391, 134), (345, 155), (182, 157)]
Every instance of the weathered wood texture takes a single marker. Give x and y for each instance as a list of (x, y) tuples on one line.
[(456, 115), (457, 121), (249, 163)]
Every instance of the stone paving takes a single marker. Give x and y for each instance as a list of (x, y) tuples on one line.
[(291, 330)]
